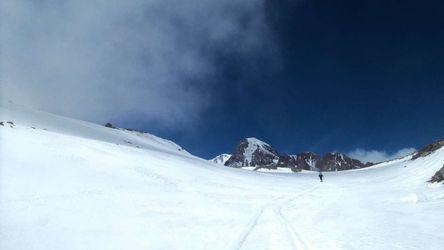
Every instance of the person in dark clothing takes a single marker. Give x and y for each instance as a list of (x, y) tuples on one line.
[(321, 176)]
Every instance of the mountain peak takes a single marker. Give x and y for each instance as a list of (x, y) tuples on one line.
[(254, 140), (253, 152), (221, 159)]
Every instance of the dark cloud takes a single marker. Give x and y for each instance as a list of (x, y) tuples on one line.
[(99, 60)]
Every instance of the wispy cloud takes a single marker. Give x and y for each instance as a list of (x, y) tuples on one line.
[(376, 156), (102, 59)]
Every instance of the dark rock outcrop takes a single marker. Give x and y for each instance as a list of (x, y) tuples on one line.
[(368, 164), (288, 161), (338, 162), (307, 160), (109, 125), (428, 149), (439, 176)]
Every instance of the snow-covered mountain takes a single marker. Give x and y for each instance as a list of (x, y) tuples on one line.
[(252, 152), (69, 184), (221, 159)]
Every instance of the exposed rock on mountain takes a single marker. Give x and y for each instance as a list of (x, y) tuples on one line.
[(221, 159), (109, 125), (338, 162), (307, 160), (253, 152), (301, 161), (439, 176), (288, 161), (428, 149)]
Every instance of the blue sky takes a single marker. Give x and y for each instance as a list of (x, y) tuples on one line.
[(351, 75), (301, 75)]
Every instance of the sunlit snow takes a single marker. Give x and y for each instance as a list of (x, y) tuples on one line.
[(68, 184)]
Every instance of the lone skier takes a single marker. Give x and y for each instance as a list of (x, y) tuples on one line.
[(321, 176)]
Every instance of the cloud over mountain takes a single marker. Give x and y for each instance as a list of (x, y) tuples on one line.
[(376, 156), (100, 60)]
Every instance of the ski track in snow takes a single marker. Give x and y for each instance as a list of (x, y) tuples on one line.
[(298, 241), (276, 206)]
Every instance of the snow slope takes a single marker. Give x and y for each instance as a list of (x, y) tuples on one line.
[(69, 184)]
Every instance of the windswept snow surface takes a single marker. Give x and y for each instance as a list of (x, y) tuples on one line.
[(70, 184)]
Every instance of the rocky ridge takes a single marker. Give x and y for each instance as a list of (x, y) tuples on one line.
[(428, 149), (439, 176), (252, 152)]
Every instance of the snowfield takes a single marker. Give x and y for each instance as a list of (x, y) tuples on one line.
[(69, 184)]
